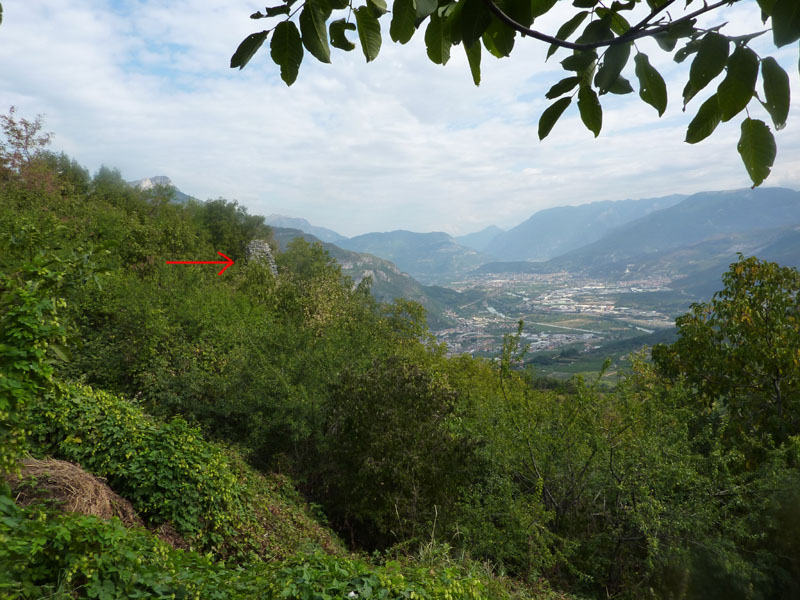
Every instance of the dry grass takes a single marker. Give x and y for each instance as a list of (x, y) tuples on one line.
[(67, 487)]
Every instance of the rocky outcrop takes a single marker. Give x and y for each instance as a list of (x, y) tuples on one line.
[(259, 251), (149, 183)]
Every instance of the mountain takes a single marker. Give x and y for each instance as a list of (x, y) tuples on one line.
[(699, 267), (321, 233), (716, 218), (388, 282), (149, 183), (555, 231), (428, 257), (480, 239)]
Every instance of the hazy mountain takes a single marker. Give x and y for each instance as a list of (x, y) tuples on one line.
[(428, 257), (705, 217), (388, 282), (700, 266), (149, 183), (480, 239), (554, 231), (321, 233)]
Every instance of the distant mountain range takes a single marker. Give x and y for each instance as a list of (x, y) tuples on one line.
[(690, 239), (388, 282), (698, 267), (480, 240), (321, 233), (428, 257), (149, 183), (698, 218), (555, 231)]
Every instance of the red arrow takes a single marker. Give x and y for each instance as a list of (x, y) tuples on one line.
[(227, 262)]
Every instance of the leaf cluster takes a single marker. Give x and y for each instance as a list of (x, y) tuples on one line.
[(69, 556), (602, 40), (741, 351)]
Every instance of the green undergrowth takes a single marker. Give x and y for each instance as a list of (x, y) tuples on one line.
[(46, 554), (251, 535), (171, 474)]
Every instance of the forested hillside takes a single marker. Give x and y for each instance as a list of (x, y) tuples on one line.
[(300, 439)]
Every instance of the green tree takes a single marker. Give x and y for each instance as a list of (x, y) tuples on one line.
[(31, 330), (741, 352), (230, 227), (394, 457), (72, 177), (603, 55), (23, 159)]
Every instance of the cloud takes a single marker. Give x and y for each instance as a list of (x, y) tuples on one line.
[(400, 143)]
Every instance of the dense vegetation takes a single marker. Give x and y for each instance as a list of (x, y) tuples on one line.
[(210, 401)]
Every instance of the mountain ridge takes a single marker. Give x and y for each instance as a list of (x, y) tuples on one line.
[(697, 218), (553, 231), (388, 281), (480, 240), (148, 183), (321, 233), (428, 257)]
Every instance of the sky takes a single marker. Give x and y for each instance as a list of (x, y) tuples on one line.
[(144, 86)]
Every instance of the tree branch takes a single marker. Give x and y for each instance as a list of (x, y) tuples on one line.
[(636, 32)]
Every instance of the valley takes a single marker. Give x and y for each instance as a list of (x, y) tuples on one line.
[(569, 319), (592, 282)]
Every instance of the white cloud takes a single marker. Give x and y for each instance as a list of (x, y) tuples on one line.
[(401, 143)]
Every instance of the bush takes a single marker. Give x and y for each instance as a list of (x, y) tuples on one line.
[(45, 554), (67, 556), (170, 474)]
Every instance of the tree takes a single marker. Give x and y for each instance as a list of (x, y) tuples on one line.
[(601, 36), (22, 151), (230, 227), (394, 457), (24, 140), (741, 352)]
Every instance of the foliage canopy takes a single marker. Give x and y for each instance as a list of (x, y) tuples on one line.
[(600, 37)]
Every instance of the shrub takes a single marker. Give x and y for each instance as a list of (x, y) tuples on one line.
[(53, 555), (170, 474)]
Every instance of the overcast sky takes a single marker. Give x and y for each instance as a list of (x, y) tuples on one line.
[(400, 143)]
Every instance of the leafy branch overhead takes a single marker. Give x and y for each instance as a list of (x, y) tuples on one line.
[(600, 37)]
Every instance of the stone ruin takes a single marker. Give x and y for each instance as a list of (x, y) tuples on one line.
[(259, 251)]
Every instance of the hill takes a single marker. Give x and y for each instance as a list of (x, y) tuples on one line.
[(321, 233), (388, 282), (148, 183), (428, 257), (394, 441), (671, 239), (554, 231), (480, 240)]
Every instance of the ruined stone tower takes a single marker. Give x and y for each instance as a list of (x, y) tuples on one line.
[(259, 250)]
